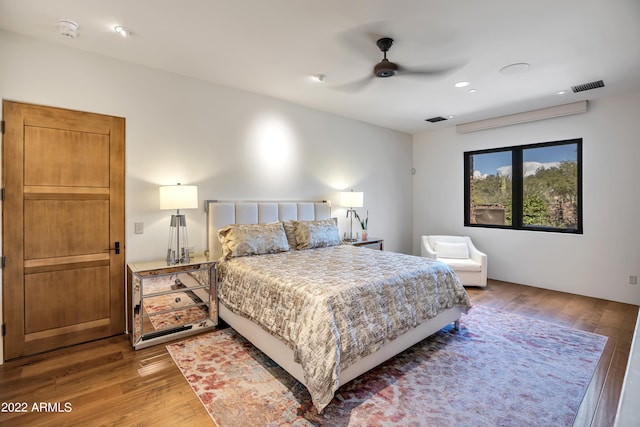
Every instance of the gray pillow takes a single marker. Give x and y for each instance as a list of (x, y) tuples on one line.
[(317, 234), (252, 239)]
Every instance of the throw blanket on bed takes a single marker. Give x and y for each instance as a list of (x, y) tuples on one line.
[(335, 305)]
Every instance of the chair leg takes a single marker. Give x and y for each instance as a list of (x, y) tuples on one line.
[(456, 325)]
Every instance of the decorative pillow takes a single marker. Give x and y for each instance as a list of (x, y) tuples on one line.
[(252, 239), (317, 234), (451, 250), (290, 231)]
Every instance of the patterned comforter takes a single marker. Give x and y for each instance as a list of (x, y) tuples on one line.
[(335, 305)]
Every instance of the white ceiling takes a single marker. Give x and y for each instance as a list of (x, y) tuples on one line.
[(272, 47)]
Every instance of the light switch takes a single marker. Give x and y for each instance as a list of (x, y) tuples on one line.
[(139, 227)]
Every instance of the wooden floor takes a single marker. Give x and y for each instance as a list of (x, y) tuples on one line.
[(107, 383)]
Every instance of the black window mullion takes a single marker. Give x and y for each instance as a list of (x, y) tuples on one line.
[(468, 176), (516, 188), (579, 190)]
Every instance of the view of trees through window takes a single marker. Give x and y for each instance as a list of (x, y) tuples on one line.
[(526, 187)]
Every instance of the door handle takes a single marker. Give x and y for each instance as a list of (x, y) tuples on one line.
[(115, 248)]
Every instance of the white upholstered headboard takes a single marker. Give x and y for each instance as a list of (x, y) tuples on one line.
[(223, 213)]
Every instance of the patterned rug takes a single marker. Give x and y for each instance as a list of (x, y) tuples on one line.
[(500, 369)]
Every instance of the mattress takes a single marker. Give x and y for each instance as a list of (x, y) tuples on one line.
[(333, 306)]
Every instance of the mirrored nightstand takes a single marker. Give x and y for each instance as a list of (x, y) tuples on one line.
[(166, 302), (369, 242)]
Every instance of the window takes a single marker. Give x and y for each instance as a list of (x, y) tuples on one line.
[(529, 187)]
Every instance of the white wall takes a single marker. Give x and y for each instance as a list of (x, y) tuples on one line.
[(230, 143), (597, 263)]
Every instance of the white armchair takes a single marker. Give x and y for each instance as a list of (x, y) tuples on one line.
[(469, 264)]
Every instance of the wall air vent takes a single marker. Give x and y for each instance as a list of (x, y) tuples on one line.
[(587, 86), (435, 119)]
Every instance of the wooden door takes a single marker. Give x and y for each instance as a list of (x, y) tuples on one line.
[(63, 174)]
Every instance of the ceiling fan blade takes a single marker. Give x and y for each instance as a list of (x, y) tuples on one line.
[(436, 71), (355, 86), (361, 39)]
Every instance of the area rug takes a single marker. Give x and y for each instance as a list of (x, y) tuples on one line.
[(499, 369)]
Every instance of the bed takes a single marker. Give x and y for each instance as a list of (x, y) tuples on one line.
[(326, 312)]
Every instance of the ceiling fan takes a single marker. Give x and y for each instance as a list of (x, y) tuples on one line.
[(386, 68)]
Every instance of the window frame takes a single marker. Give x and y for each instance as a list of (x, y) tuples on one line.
[(517, 187)]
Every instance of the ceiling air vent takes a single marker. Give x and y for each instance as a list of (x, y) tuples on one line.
[(435, 119), (587, 86)]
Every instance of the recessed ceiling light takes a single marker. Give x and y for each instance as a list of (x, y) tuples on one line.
[(518, 67), (123, 31), (473, 90), (561, 92), (318, 78), (461, 84)]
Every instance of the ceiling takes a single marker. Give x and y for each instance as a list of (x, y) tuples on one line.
[(273, 47)]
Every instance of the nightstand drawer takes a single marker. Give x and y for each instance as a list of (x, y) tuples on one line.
[(173, 301)]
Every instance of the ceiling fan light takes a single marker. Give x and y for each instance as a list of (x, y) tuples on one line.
[(385, 73)]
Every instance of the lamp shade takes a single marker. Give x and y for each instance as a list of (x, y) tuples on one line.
[(352, 199), (178, 197)]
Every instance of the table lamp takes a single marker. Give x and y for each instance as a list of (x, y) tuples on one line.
[(351, 199), (178, 197)]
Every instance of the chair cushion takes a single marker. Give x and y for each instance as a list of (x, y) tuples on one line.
[(451, 250), (458, 264)]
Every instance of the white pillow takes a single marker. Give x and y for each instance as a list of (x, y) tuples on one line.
[(451, 250)]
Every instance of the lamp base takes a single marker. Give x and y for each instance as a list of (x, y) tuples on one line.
[(172, 259), (350, 238), (178, 250)]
